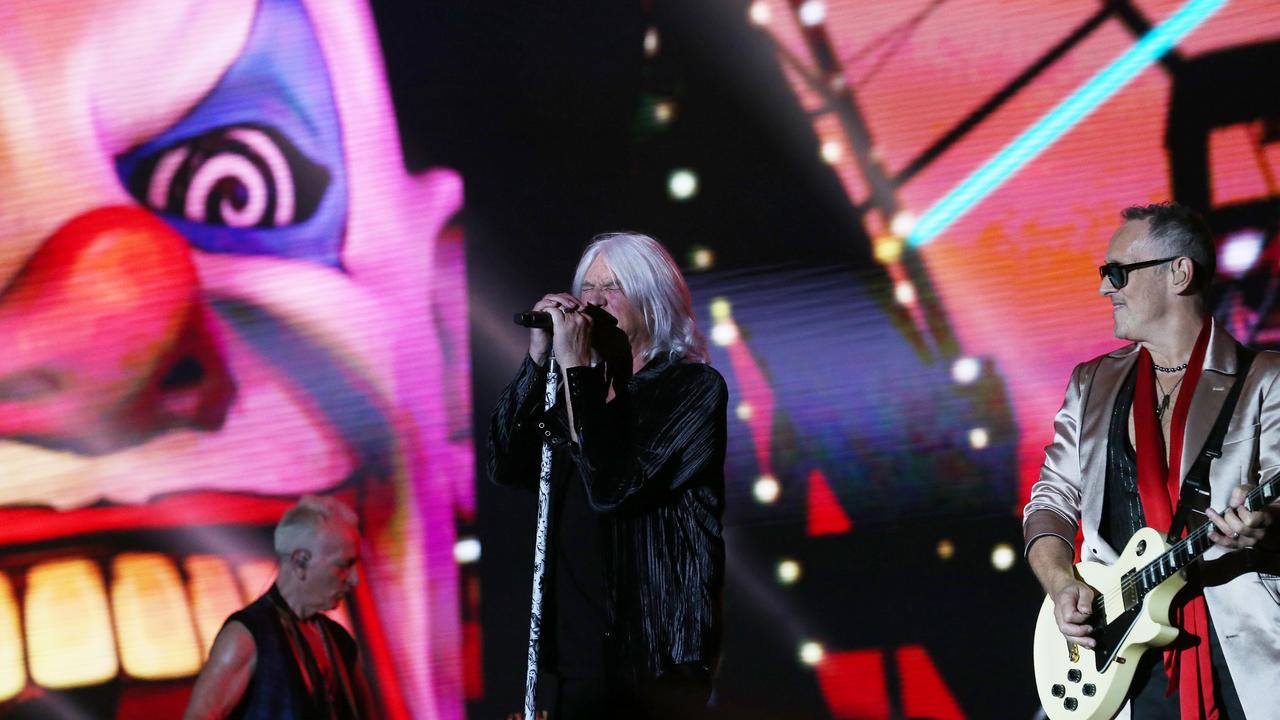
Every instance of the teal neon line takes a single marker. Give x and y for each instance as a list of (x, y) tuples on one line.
[(1064, 116)]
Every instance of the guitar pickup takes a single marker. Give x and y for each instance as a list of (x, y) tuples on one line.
[(1129, 590)]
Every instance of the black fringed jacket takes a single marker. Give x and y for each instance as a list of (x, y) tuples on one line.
[(658, 478)]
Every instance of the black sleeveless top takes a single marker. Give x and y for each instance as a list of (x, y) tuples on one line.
[(287, 683), (1122, 514)]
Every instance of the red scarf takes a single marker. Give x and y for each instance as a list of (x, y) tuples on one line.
[(1159, 482)]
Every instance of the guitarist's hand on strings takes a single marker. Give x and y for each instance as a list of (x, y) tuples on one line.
[(1238, 527), (1072, 606), (1051, 559)]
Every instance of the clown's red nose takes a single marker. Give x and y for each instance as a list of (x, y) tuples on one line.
[(104, 340)]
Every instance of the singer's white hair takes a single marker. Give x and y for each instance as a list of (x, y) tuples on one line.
[(302, 524), (651, 279)]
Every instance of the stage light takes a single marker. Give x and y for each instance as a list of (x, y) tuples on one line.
[(812, 12), (788, 571), (664, 111), (721, 309), (811, 653), (1239, 251), (466, 550), (682, 184), (965, 370), (903, 223), (760, 13), (1064, 116), (832, 151), (946, 549), (743, 411), (1003, 556), (724, 333), (766, 489), (887, 249), (701, 258), (978, 438), (904, 292), (651, 42)]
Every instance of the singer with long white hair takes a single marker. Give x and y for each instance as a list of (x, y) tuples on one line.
[(635, 557)]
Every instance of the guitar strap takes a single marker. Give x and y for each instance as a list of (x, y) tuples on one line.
[(1195, 487)]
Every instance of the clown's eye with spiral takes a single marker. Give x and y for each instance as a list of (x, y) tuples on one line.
[(242, 176)]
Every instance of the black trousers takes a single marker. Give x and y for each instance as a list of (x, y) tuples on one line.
[(680, 694), (1150, 703)]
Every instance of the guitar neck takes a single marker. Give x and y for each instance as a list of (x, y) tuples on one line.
[(1196, 543)]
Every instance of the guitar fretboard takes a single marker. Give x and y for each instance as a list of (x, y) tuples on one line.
[(1193, 545)]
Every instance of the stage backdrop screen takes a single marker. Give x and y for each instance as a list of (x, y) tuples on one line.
[(218, 287)]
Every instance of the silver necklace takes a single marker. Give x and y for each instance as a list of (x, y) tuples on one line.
[(1164, 401)]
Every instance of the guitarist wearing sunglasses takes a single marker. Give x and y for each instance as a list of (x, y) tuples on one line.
[(1157, 435)]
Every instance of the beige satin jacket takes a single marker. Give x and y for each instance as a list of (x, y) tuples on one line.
[(1245, 610)]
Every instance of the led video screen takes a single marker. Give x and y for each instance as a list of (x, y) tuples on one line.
[(221, 289), (218, 288)]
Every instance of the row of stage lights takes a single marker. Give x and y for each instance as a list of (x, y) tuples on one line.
[(811, 13), (789, 572), (888, 247), (766, 489), (812, 652), (683, 183), (724, 332), (1003, 557)]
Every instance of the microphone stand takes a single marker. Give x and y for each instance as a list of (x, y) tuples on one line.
[(540, 552)]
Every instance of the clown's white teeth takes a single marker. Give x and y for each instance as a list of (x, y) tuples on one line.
[(214, 595), (12, 673), (149, 625), (154, 627), (68, 625)]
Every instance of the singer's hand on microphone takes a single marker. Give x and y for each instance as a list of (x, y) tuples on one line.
[(554, 304), (571, 337)]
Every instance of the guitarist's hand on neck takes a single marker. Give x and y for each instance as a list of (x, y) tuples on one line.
[(1239, 528), (1052, 560)]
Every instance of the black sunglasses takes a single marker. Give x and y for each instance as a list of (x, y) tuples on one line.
[(1119, 274)]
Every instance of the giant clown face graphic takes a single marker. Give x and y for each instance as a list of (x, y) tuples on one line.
[(216, 284)]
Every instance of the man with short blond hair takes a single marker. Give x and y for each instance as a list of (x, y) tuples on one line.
[(281, 657)]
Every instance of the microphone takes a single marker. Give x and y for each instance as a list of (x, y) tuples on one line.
[(534, 319), (542, 320)]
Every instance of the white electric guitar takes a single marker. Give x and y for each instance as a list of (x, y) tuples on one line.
[(1130, 615)]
